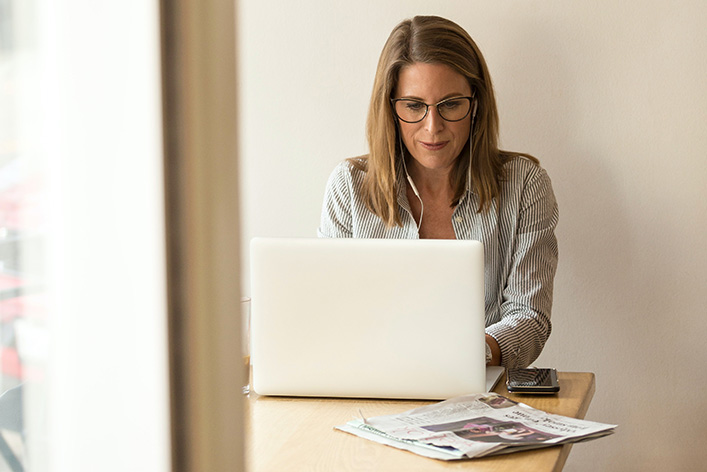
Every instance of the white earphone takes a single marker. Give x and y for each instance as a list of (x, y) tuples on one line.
[(412, 184), (409, 179)]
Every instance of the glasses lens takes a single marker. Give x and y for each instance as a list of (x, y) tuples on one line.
[(410, 110), (454, 109)]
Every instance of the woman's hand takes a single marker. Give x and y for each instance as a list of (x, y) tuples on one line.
[(495, 350)]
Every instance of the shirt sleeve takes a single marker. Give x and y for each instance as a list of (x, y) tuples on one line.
[(336, 219), (527, 296)]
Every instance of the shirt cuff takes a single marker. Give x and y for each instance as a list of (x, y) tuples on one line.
[(507, 342)]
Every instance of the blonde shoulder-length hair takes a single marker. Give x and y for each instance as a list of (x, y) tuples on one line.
[(432, 40)]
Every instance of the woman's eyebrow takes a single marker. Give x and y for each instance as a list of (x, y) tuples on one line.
[(449, 95)]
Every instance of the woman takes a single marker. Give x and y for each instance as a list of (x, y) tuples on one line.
[(434, 170)]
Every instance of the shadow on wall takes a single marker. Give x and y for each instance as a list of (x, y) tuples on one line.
[(620, 261), (621, 266), (596, 257)]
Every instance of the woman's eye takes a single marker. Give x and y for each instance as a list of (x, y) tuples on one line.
[(451, 104), (414, 106)]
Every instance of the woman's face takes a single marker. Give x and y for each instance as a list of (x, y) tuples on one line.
[(433, 142)]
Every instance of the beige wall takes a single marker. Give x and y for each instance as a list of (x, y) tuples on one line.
[(611, 97)]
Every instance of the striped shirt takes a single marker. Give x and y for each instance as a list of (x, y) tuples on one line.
[(518, 234)]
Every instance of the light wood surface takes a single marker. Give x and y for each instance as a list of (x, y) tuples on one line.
[(297, 434)]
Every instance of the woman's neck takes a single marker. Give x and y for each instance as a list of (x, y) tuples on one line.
[(433, 183)]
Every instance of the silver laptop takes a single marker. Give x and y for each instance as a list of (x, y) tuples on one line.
[(367, 318)]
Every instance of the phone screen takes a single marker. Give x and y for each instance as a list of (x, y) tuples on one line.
[(532, 381)]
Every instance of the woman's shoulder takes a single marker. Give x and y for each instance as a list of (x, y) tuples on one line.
[(353, 167), (348, 171), (524, 167), (356, 164), (525, 179)]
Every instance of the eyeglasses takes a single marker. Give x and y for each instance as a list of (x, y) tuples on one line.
[(414, 111)]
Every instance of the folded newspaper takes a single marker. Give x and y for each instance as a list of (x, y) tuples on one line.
[(474, 426)]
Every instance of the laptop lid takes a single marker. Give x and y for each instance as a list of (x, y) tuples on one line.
[(367, 318)]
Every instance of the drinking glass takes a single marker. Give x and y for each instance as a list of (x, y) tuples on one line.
[(245, 342)]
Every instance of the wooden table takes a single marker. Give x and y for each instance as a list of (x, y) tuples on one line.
[(297, 434)]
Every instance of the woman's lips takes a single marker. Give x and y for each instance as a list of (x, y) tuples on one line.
[(433, 146)]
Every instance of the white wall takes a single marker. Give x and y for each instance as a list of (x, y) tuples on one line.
[(611, 97)]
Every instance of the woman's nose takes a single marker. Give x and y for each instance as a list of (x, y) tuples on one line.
[(433, 121)]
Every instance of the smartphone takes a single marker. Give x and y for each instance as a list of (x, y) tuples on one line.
[(532, 381)]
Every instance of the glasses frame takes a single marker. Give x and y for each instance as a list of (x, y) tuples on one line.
[(393, 101)]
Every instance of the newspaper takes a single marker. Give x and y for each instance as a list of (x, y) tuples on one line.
[(474, 426)]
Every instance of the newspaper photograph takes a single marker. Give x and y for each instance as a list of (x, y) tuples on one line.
[(474, 426)]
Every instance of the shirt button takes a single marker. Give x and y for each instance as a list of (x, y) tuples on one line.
[(459, 219)]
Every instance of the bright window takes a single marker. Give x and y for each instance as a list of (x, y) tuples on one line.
[(82, 284)]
